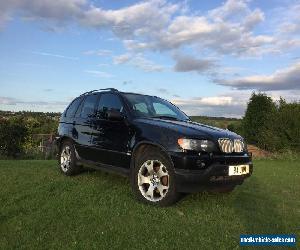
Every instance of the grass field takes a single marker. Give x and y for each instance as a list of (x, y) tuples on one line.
[(220, 122), (40, 208)]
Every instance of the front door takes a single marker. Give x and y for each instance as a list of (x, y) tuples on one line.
[(110, 139)]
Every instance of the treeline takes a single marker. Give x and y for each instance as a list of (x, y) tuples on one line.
[(18, 133), (273, 126), (29, 113)]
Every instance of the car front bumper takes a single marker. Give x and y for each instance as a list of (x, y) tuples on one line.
[(192, 176)]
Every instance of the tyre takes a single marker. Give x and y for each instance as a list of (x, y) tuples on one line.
[(153, 178), (67, 159)]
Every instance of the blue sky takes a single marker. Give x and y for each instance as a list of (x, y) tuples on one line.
[(205, 56)]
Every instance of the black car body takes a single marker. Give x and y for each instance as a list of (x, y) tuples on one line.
[(108, 130)]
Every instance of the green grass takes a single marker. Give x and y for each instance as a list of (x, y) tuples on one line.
[(40, 208)]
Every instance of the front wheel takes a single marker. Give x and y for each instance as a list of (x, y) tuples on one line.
[(153, 179)]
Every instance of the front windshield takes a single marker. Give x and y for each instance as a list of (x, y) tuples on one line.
[(151, 106)]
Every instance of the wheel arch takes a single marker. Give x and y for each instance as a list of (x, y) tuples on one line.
[(142, 146), (61, 140)]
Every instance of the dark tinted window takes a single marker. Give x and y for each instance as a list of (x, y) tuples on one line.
[(109, 102), (73, 107), (88, 107)]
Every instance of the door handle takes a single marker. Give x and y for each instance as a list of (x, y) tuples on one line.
[(74, 122)]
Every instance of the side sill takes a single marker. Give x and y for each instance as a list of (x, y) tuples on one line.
[(104, 167)]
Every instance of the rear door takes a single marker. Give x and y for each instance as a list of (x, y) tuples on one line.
[(82, 130), (110, 139), (66, 121)]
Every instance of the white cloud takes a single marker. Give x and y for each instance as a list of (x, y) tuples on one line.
[(134, 20), (158, 25), (229, 104), (100, 52), (224, 30), (207, 101), (253, 19), (99, 73), (289, 19), (229, 9), (58, 10), (138, 61), (7, 100), (121, 59), (146, 65), (187, 63), (14, 101), (224, 105), (162, 26), (283, 79)]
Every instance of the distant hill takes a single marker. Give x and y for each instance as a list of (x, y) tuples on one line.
[(7, 114), (220, 122)]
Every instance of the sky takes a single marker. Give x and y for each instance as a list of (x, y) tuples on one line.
[(207, 57)]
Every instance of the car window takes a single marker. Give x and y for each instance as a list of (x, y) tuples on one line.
[(73, 107), (78, 112), (151, 106), (88, 107), (161, 109), (109, 102), (141, 107)]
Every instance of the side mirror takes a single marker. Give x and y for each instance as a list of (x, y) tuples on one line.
[(114, 115)]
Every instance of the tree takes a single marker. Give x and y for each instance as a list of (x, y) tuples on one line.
[(288, 124), (258, 122), (13, 133)]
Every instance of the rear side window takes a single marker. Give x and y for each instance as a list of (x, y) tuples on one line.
[(88, 107), (109, 102), (73, 107)]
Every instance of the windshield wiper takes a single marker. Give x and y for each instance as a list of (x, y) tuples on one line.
[(166, 117)]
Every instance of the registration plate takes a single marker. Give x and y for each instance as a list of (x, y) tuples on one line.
[(238, 170)]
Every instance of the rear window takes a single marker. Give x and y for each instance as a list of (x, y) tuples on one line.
[(73, 107)]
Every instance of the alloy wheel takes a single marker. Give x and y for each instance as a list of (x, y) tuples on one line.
[(153, 180), (65, 158)]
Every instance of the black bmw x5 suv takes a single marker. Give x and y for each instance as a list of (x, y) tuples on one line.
[(154, 143)]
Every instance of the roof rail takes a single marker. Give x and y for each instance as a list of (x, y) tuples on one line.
[(92, 91)]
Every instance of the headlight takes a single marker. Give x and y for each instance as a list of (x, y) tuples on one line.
[(196, 145)]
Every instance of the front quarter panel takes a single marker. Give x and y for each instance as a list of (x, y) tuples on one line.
[(156, 135)]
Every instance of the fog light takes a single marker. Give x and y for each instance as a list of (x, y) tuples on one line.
[(200, 164)]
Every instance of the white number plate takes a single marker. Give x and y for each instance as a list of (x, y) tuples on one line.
[(238, 170)]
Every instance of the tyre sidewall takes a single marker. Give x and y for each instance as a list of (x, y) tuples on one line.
[(171, 195)]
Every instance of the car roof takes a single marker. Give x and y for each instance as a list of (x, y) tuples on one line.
[(112, 90)]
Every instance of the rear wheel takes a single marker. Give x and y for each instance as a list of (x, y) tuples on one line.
[(153, 180), (67, 159)]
